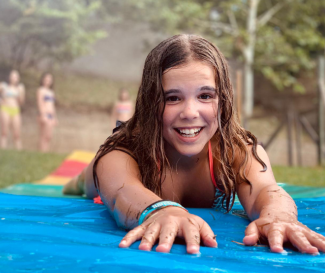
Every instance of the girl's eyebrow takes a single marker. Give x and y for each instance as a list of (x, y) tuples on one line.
[(203, 88), (172, 91), (208, 88)]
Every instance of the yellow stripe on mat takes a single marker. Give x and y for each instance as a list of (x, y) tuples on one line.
[(78, 156), (54, 180), (81, 156)]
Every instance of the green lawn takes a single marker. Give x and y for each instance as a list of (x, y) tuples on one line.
[(300, 176), (25, 166)]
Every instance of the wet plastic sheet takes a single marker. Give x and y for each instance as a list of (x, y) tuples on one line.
[(41, 234)]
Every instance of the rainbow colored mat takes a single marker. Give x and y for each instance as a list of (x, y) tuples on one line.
[(55, 234)]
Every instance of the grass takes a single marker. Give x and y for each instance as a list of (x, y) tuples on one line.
[(300, 176), (25, 166)]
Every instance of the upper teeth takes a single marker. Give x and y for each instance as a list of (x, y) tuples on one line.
[(189, 131)]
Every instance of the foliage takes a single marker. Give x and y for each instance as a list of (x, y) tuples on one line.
[(289, 33), (47, 32)]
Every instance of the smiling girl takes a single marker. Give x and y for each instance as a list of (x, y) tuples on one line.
[(183, 147)]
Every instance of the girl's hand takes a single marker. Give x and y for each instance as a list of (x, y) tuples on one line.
[(278, 232), (167, 224), (43, 119)]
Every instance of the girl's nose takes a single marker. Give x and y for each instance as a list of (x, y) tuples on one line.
[(190, 111)]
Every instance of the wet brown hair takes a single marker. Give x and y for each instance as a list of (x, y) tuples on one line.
[(142, 134), (41, 82)]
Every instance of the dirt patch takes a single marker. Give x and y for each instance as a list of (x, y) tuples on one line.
[(85, 130)]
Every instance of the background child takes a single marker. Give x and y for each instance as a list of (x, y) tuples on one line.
[(12, 98), (123, 108), (46, 108)]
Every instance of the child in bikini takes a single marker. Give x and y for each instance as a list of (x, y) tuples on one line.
[(183, 147), (47, 118), (12, 95), (123, 108)]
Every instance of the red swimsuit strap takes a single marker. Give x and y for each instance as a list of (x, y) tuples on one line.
[(211, 168)]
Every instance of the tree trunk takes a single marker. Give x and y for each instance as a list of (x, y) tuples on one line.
[(249, 58)]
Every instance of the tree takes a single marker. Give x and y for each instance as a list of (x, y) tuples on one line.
[(278, 38), (47, 32)]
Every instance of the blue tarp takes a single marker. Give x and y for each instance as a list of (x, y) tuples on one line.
[(42, 234)]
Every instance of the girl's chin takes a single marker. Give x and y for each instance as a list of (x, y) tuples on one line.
[(189, 150)]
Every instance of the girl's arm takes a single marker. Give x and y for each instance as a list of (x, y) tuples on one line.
[(125, 196), (54, 113), (273, 212), (40, 103), (21, 97)]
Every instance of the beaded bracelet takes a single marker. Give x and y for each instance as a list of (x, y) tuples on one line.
[(157, 206)]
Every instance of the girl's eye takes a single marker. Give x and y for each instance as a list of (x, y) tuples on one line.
[(205, 97), (173, 99)]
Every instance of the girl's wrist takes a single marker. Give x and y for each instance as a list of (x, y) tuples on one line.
[(155, 207)]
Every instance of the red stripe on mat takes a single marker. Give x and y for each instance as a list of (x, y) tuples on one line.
[(70, 168)]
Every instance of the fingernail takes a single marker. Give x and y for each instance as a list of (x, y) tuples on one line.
[(283, 252), (250, 235), (194, 249), (122, 243), (164, 245), (316, 254)]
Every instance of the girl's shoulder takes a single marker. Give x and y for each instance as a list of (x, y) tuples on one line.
[(21, 87), (3, 85)]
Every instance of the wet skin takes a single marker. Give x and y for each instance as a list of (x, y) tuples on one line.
[(191, 103)]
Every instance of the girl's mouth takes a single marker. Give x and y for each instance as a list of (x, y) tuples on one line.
[(193, 132)]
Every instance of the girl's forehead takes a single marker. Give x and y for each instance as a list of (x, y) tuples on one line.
[(192, 72)]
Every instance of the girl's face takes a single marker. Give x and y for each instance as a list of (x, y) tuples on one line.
[(124, 95), (48, 80), (190, 116), (14, 77)]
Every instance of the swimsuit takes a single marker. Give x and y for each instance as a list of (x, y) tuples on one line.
[(123, 108), (12, 111), (9, 92), (217, 203), (48, 98)]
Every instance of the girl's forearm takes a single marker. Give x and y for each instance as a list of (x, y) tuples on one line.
[(275, 203), (129, 203)]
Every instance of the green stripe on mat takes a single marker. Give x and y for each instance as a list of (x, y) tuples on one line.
[(56, 191), (303, 192), (37, 190)]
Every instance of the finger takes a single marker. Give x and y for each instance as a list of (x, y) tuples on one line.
[(132, 236), (299, 240), (207, 235), (150, 236), (317, 240), (191, 235), (275, 237), (251, 234), (167, 237)]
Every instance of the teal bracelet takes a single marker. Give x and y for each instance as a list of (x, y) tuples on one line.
[(157, 206)]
